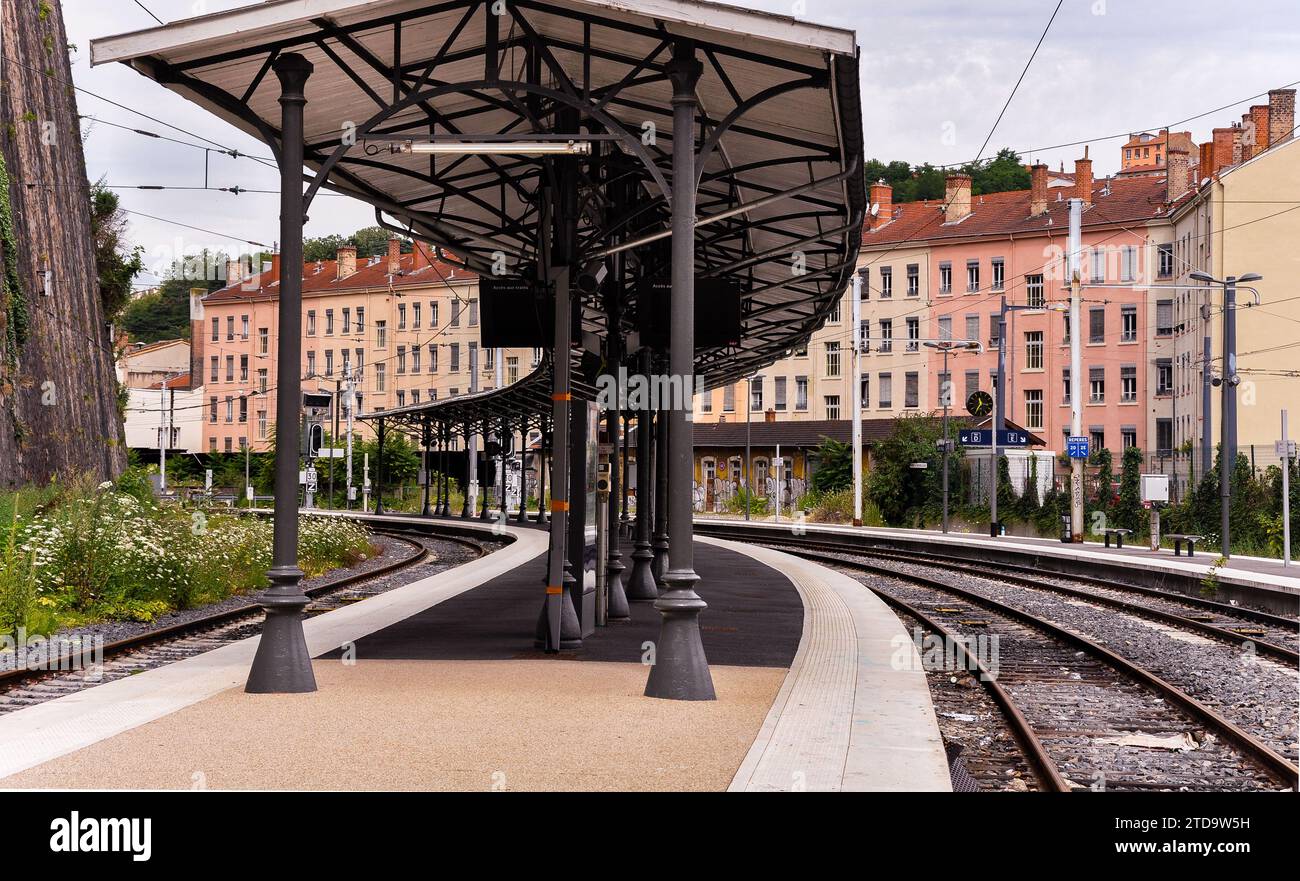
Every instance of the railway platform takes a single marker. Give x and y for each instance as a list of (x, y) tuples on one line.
[(1248, 580), (436, 685)]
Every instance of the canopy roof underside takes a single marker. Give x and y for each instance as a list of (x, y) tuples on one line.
[(779, 97)]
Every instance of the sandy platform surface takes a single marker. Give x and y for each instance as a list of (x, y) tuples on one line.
[(544, 724)]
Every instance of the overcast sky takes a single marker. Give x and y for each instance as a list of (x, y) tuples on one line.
[(935, 73)]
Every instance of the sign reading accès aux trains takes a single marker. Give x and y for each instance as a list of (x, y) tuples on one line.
[(983, 437)]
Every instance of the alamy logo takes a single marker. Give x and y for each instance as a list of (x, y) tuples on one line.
[(75, 834)]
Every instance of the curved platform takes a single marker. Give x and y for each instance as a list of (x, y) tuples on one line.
[(849, 716)]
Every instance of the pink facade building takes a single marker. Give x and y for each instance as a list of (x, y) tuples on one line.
[(977, 250)]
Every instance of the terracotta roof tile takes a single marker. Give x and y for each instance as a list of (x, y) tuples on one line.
[(319, 278)]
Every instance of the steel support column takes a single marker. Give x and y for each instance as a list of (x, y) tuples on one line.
[(617, 608), (505, 436), (659, 544), (542, 516), (483, 483), (426, 439), (282, 663), (379, 468), (446, 471), (464, 504), (640, 585), (624, 522), (522, 517), (681, 670)]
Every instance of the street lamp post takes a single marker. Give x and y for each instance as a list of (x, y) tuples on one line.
[(1228, 387)]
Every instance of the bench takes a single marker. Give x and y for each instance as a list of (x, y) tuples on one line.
[(1119, 536), (1178, 538)]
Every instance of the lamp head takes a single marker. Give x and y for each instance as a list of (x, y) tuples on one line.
[(1249, 277), (1202, 276)]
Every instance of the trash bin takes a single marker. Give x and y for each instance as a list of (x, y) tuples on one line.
[(1067, 534)]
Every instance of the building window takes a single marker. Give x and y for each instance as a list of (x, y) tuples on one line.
[(261, 424), (1164, 436), (1066, 396), (381, 376), (1164, 376), (230, 368), (864, 335), (455, 313), (433, 313), (433, 357), (415, 359), (834, 317), (995, 329), (832, 406), (311, 364), (885, 386), (1129, 436), (865, 391), (945, 328), (401, 398), (1097, 435), (261, 380), (361, 319), (243, 368), (401, 359), (886, 335), (311, 322), (972, 327), (1096, 325), (1098, 265), (1165, 265), (454, 366), (1034, 291), (243, 327), (212, 409), (473, 313), (329, 322), (729, 399), (972, 276), (263, 341), (230, 327), (999, 274), (415, 396), (706, 402), (230, 408), (1128, 324), (801, 393), (489, 357), (243, 408), (1128, 383), (212, 375), (945, 277), (913, 334), (1034, 409), (347, 320), (1164, 317), (945, 390), (216, 328), (912, 389), (756, 394), (1096, 385), (415, 317), (886, 282), (381, 334), (1034, 350), (1128, 263), (913, 279), (972, 382), (832, 359), (401, 316)]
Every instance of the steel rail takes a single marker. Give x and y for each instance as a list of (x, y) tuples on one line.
[(1280, 652), (1272, 761)]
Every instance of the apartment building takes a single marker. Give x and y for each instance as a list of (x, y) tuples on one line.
[(405, 327), (1237, 218)]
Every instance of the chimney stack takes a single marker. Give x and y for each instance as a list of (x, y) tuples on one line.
[(1259, 119), (345, 261), (1281, 115), (882, 195), (1083, 179), (1038, 190), (394, 255), (1206, 166), (234, 272), (956, 198), (1176, 177), (769, 416), (1223, 143)]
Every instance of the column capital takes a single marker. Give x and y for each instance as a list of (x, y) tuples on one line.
[(684, 71), (293, 71)]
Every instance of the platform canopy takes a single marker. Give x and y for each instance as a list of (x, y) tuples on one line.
[(781, 196)]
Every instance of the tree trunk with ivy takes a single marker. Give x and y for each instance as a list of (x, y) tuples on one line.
[(58, 389)]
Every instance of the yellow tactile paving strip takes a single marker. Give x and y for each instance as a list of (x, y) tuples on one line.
[(438, 725)]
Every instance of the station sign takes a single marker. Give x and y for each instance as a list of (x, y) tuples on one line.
[(1284, 449), (1076, 447), (983, 437)]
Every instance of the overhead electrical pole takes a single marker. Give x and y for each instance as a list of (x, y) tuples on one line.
[(857, 401), (1076, 370)]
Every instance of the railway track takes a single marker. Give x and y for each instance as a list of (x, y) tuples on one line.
[(22, 687), (1083, 715), (1271, 635)]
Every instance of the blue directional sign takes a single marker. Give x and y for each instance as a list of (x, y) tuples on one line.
[(983, 437), (1076, 447)]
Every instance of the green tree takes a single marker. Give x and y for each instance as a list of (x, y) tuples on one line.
[(905, 495), (914, 183), (116, 266), (834, 468), (1128, 512)]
